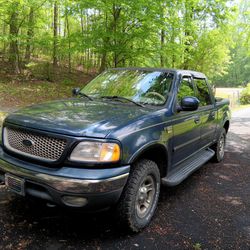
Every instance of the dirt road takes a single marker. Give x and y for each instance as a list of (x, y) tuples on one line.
[(210, 210)]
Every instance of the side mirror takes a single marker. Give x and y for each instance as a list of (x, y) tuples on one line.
[(213, 87), (75, 91), (189, 103)]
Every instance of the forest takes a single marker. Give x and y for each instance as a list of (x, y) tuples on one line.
[(212, 36)]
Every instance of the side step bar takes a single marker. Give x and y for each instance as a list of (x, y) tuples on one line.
[(186, 168)]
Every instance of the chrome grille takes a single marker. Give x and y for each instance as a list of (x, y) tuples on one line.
[(39, 146)]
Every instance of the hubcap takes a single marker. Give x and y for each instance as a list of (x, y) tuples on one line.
[(145, 196), (221, 146)]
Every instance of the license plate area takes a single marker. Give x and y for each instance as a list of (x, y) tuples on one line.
[(15, 184)]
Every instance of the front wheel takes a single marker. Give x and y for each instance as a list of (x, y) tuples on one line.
[(140, 196), (219, 147)]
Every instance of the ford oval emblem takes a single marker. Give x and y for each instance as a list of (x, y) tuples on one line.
[(27, 142)]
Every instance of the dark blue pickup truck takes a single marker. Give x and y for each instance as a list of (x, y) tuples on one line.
[(115, 141)]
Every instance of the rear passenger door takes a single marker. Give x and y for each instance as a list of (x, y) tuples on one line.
[(207, 112)]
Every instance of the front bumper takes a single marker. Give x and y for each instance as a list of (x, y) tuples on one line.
[(100, 187)]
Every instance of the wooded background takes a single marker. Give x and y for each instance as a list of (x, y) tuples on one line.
[(212, 36)]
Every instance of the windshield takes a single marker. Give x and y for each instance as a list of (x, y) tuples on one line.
[(145, 87)]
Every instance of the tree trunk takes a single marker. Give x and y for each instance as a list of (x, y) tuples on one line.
[(4, 42), (55, 29), (189, 16), (13, 51), (30, 34), (69, 42), (103, 61), (104, 49), (116, 16), (162, 47)]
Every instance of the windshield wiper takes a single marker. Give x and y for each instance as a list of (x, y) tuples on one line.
[(115, 97), (84, 95)]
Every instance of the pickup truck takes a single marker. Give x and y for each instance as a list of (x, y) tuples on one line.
[(115, 141)]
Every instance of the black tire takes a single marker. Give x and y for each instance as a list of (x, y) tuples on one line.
[(132, 210), (219, 147)]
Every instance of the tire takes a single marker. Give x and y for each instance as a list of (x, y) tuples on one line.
[(139, 199), (219, 147)]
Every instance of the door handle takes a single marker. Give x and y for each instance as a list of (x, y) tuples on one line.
[(212, 115), (197, 119)]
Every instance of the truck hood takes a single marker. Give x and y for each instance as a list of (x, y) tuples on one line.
[(77, 117)]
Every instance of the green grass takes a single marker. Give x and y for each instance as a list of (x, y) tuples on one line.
[(241, 107), (35, 86), (233, 95), (18, 94)]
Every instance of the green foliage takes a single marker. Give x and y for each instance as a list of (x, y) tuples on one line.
[(245, 95), (197, 246), (213, 46), (41, 70), (197, 34), (238, 72)]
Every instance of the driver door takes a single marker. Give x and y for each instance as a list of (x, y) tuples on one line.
[(186, 128)]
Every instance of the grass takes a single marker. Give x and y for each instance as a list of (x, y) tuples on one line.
[(18, 94), (17, 91), (233, 95), (241, 107), (33, 86)]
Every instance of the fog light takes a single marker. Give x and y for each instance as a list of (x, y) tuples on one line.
[(74, 201)]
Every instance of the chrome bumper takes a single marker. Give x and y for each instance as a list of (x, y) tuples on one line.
[(66, 184)]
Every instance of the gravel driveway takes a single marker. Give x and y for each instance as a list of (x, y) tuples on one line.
[(210, 210)]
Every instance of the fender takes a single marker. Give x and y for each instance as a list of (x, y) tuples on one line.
[(221, 127), (152, 145)]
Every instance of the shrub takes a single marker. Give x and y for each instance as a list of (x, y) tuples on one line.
[(245, 95), (41, 70)]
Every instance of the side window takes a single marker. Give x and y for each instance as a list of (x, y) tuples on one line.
[(186, 88), (202, 92)]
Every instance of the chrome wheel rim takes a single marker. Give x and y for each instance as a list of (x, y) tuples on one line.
[(145, 196), (221, 146)]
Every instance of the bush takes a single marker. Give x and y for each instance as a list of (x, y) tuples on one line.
[(41, 70), (245, 95)]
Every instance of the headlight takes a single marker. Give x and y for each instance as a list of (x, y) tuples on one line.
[(96, 152)]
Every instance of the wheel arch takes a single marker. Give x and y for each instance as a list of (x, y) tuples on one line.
[(156, 152), (226, 125)]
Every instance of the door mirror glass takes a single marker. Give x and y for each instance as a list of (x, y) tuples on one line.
[(75, 91), (189, 103), (214, 89)]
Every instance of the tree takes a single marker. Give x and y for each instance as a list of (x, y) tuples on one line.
[(30, 34), (55, 32), (13, 37), (191, 34)]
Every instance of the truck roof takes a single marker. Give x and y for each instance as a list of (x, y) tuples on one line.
[(195, 74)]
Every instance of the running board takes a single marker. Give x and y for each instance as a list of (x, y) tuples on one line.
[(186, 168)]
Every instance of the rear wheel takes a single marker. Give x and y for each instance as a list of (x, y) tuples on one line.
[(140, 196), (219, 147)]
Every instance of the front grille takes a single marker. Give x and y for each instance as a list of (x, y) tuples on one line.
[(33, 145)]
